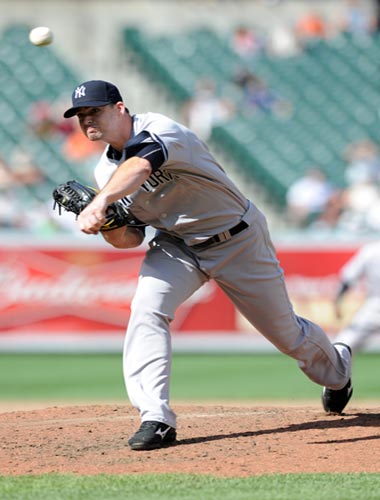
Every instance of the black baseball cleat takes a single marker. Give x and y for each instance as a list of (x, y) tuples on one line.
[(334, 401), (152, 435)]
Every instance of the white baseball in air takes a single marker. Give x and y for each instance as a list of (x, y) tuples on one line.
[(41, 36)]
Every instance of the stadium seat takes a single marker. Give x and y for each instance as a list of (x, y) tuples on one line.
[(332, 87), (29, 74)]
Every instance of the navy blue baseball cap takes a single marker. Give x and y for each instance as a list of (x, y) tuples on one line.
[(93, 93)]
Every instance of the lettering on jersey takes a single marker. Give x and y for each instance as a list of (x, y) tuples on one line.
[(125, 201), (156, 178)]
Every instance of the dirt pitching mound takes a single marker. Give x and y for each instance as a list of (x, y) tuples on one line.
[(222, 440)]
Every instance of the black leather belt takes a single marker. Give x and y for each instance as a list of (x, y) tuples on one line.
[(224, 236)]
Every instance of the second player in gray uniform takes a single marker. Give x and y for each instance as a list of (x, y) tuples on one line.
[(206, 230), (363, 268)]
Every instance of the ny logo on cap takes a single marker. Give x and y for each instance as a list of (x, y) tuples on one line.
[(80, 92)]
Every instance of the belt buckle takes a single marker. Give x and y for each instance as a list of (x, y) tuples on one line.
[(224, 236)]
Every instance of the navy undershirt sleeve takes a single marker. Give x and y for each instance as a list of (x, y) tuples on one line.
[(145, 146)]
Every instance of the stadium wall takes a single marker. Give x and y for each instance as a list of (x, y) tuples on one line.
[(75, 296)]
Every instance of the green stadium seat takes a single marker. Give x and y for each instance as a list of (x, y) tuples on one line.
[(28, 74), (333, 88)]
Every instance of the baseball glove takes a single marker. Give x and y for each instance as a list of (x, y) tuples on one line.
[(74, 197)]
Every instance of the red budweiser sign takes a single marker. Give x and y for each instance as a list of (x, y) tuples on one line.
[(89, 291), (80, 295)]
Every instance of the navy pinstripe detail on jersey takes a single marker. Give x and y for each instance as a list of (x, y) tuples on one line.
[(157, 139), (113, 154), (144, 146)]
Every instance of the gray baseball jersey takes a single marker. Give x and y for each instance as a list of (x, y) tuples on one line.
[(190, 199), (365, 264), (363, 267), (190, 195)]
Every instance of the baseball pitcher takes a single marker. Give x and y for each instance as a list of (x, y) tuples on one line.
[(206, 229)]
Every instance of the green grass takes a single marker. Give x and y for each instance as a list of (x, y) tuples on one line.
[(252, 377), (76, 377), (192, 487)]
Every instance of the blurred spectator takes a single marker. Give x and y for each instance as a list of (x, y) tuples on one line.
[(363, 162), (11, 210), (361, 208), (245, 79), (17, 211), (357, 19), (19, 171), (206, 109), (310, 27), (47, 121), (24, 171), (258, 96), (282, 42), (40, 119), (308, 197), (246, 42), (331, 214), (377, 16), (6, 176), (63, 126), (361, 197)]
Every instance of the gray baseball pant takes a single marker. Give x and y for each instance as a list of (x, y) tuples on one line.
[(364, 325), (247, 269)]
